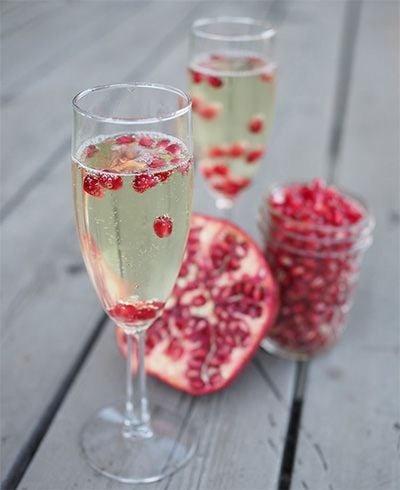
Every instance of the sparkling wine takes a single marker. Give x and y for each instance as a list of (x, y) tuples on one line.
[(132, 198), (233, 96)]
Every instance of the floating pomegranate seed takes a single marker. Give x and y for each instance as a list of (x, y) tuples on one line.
[(163, 226), (92, 186), (163, 143), (91, 150), (237, 149), (215, 320), (215, 82), (110, 181), (143, 182), (216, 152), (125, 140), (221, 169), (256, 124), (157, 162), (174, 148), (206, 171), (196, 102), (146, 141), (163, 176), (267, 77), (210, 111), (254, 155), (197, 77)]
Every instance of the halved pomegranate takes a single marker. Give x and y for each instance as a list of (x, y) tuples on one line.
[(224, 302)]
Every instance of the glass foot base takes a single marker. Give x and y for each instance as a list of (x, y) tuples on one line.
[(137, 459)]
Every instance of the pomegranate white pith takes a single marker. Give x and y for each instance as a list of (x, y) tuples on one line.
[(224, 302)]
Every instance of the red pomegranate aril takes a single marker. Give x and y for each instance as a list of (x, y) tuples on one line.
[(174, 148), (144, 182), (256, 124), (163, 143), (91, 185), (220, 169), (110, 181), (91, 150), (210, 328), (163, 226), (237, 150), (197, 77), (215, 81), (216, 152), (163, 176), (125, 140), (254, 155), (267, 77), (146, 141), (210, 111)]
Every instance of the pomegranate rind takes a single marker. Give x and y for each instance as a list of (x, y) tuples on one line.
[(169, 353)]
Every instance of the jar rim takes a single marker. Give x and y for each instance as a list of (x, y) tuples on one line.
[(367, 223)]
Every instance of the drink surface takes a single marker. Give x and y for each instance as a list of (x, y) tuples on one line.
[(233, 97), (132, 197)]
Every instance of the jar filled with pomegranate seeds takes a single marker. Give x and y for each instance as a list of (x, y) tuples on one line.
[(314, 237)]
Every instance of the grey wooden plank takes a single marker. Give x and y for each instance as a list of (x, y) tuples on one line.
[(28, 14), (223, 420), (48, 311), (101, 63), (250, 454), (350, 434), (37, 51)]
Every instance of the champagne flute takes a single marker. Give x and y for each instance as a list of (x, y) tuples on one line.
[(232, 76), (132, 185)]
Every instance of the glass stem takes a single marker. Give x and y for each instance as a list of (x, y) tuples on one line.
[(137, 416)]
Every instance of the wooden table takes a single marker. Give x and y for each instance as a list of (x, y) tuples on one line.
[(334, 425)]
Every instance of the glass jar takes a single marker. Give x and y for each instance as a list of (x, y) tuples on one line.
[(316, 268)]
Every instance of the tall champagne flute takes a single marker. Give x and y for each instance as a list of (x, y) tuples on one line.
[(232, 76), (132, 186)]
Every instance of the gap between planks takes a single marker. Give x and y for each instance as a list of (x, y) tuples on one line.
[(27, 452), (351, 23)]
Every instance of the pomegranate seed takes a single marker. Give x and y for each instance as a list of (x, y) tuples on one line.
[(163, 143), (92, 186), (215, 81), (125, 140), (254, 155), (197, 77), (157, 163), (146, 141), (267, 77), (144, 182), (216, 152), (163, 226), (210, 111), (174, 350), (91, 150), (110, 180), (174, 148), (237, 150), (256, 124), (220, 169), (196, 102), (163, 176)]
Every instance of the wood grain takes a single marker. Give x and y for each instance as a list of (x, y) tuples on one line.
[(350, 431)]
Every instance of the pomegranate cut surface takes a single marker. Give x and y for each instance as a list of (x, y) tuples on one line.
[(223, 304)]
